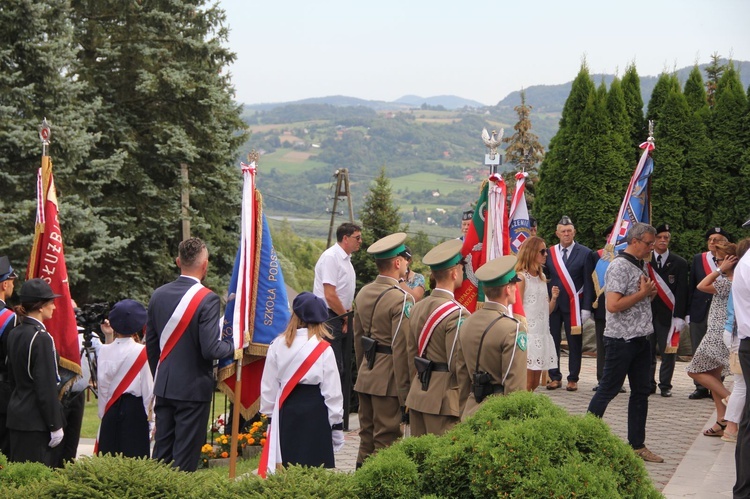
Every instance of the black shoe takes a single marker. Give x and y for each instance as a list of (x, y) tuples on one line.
[(666, 392), (623, 390), (699, 393), (595, 388)]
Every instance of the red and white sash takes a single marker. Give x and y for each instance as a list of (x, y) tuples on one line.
[(709, 265), (666, 295), (301, 363), (178, 323), (122, 381), (570, 288), (6, 315), (435, 318)]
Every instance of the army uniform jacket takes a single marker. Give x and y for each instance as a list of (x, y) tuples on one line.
[(388, 324), (502, 348), (446, 395)]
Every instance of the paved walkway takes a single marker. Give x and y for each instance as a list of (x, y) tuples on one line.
[(694, 465)]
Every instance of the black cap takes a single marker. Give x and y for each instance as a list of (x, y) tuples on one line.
[(565, 220), (6, 269), (36, 290), (608, 230), (718, 230), (127, 317), (532, 221), (309, 308), (467, 215), (663, 228)]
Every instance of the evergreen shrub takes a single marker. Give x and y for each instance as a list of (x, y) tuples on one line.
[(18, 475), (298, 482)]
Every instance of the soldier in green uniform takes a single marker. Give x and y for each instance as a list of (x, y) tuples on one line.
[(438, 392), (381, 325), (492, 342)]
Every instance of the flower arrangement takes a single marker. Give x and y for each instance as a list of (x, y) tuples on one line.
[(218, 424), (256, 435)]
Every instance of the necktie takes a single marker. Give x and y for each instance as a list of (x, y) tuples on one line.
[(565, 255), (658, 262)]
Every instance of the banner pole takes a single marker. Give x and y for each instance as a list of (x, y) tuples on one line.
[(235, 420)]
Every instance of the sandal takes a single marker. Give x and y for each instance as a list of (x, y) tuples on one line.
[(716, 433)]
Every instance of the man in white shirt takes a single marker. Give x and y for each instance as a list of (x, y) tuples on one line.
[(741, 298), (335, 283)]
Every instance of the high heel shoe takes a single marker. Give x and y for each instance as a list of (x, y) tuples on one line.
[(716, 433)]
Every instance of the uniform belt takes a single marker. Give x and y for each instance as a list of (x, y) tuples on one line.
[(440, 367), (498, 389), (384, 349)]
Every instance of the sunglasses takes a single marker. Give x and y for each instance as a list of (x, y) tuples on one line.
[(543, 251)]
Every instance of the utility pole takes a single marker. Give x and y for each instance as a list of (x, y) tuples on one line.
[(342, 190)]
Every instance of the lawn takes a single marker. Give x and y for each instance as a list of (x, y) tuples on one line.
[(288, 161), (430, 181)]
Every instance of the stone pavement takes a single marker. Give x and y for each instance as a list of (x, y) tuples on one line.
[(694, 465)]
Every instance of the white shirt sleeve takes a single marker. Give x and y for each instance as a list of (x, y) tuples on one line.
[(330, 387), (147, 389), (329, 271), (269, 382)]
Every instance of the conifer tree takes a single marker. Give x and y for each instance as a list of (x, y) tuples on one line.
[(729, 142), (37, 81), (379, 217), (551, 201), (159, 69), (714, 72), (631, 89), (694, 91), (666, 83), (524, 150)]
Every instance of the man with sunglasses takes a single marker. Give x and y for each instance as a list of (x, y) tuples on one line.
[(8, 321), (699, 302), (335, 283), (629, 292)]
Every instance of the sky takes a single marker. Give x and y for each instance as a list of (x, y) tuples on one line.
[(382, 50)]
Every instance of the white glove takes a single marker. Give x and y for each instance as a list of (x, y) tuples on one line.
[(56, 437), (679, 324), (151, 430), (338, 439), (585, 316), (727, 337), (687, 320)]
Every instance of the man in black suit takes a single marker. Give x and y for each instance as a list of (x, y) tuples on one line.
[(673, 271), (181, 359), (702, 265), (577, 261)]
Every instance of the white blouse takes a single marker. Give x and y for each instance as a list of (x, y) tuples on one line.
[(324, 373), (111, 358)]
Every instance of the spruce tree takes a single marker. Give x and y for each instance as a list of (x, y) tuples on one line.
[(379, 217), (552, 194), (524, 150), (161, 73), (631, 89), (714, 71), (37, 81)]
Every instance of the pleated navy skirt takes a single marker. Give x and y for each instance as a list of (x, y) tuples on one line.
[(304, 430)]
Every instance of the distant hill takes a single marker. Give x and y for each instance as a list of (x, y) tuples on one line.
[(551, 98), (449, 102)]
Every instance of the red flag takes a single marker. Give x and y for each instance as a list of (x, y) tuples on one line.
[(47, 261)]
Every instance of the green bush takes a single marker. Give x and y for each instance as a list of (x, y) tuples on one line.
[(389, 473), (15, 476), (298, 482)]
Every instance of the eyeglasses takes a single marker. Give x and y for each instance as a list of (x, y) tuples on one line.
[(543, 251), (358, 238), (716, 239), (647, 243)]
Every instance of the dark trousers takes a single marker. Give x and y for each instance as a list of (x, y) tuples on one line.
[(742, 452), (5, 391), (180, 432), (632, 359), (659, 339), (73, 406), (336, 326), (124, 428), (557, 320), (599, 325), (697, 332), (31, 446)]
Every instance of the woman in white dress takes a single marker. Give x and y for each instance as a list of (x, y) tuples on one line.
[(537, 304)]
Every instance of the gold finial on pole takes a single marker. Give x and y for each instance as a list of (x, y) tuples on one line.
[(253, 157), (45, 131)]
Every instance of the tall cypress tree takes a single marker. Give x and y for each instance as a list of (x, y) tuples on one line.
[(37, 80), (631, 89), (599, 176), (732, 198), (160, 71), (695, 93), (551, 199)]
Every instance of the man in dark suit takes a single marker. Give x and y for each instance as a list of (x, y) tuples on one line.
[(181, 358), (570, 266), (673, 271), (702, 265)]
